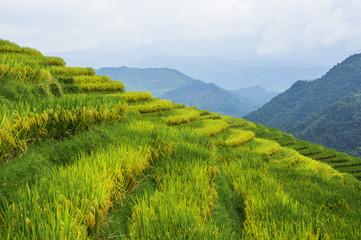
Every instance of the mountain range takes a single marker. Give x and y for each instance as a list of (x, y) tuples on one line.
[(175, 86), (325, 111)]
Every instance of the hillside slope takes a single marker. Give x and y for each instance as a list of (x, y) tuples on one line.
[(175, 86), (80, 158), (305, 102)]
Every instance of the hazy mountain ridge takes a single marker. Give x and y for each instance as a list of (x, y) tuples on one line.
[(155, 80), (233, 74), (209, 96), (272, 74), (308, 103), (180, 88), (258, 94)]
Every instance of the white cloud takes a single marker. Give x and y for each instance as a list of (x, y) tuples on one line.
[(283, 26), (306, 24)]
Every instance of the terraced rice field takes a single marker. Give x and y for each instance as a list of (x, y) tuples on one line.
[(123, 165)]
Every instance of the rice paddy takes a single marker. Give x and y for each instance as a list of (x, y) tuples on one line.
[(111, 164)]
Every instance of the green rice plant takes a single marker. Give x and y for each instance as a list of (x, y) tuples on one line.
[(228, 119), (287, 158), (347, 164), (312, 150), (30, 60), (204, 112), (153, 105), (24, 50), (350, 169), (66, 80), (102, 87), (271, 135), (317, 181), (91, 79), (23, 73), (6, 43), (352, 166), (210, 116), (260, 130), (52, 61), (260, 146), (299, 145), (74, 202), (267, 205), (326, 154), (272, 200), (238, 137), (16, 134), (182, 115), (181, 206), (179, 105), (72, 71), (131, 97), (286, 139), (341, 157), (242, 124), (212, 127), (9, 47), (30, 105), (357, 176)]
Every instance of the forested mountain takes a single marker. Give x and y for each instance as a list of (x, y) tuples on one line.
[(338, 126), (323, 111), (175, 86)]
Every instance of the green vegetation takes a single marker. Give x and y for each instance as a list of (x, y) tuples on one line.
[(102, 87), (152, 105), (183, 115), (124, 165), (72, 71), (237, 138), (91, 79), (324, 111), (132, 97)]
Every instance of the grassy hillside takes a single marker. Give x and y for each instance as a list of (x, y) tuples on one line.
[(301, 109), (86, 160), (177, 87)]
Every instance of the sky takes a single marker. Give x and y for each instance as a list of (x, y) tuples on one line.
[(270, 29)]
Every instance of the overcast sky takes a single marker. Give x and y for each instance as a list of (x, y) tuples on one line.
[(268, 27)]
